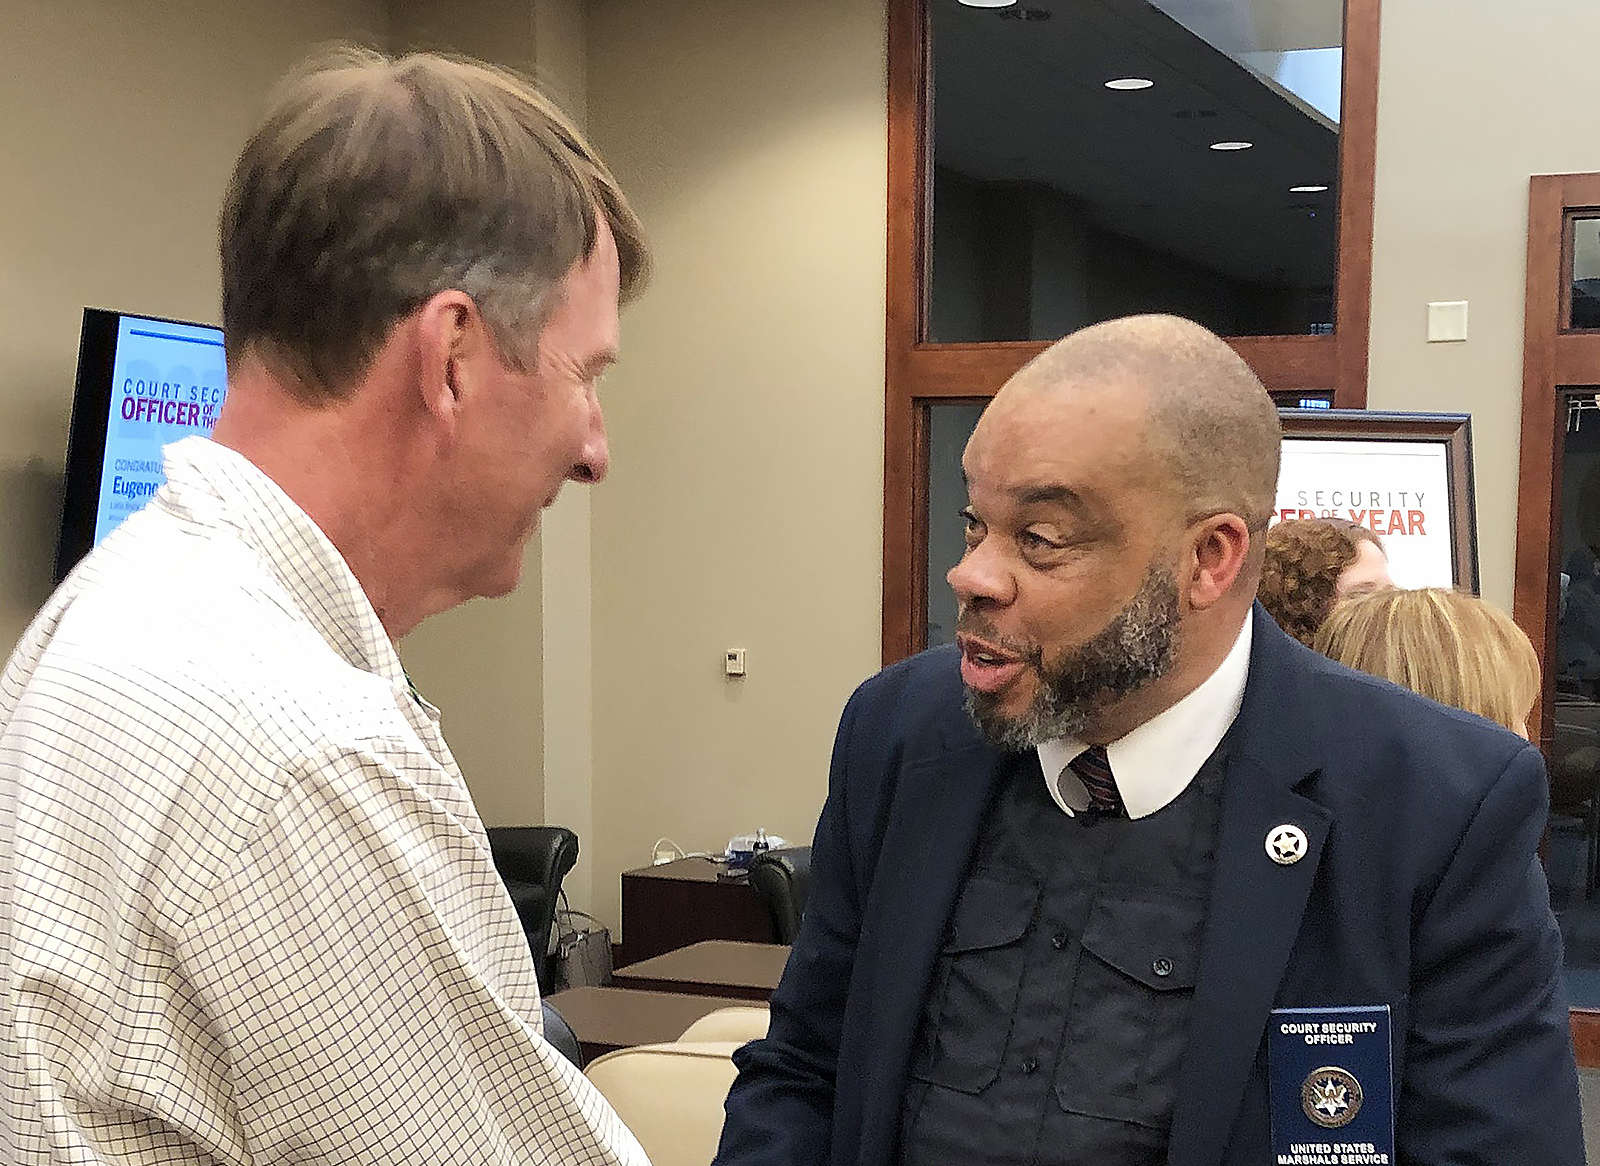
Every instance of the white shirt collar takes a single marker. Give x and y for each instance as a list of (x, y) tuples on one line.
[(1156, 761)]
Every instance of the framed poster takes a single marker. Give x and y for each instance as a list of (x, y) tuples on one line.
[(1406, 476)]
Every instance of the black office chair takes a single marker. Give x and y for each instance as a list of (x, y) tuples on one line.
[(532, 861), (782, 879), (560, 1035)]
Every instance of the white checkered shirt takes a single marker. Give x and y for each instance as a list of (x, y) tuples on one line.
[(247, 909)]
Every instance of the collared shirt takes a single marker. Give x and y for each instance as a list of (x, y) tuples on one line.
[(248, 913), (1156, 761)]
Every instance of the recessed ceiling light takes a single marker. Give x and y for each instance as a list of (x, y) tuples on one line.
[(988, 3), (1313, 189), (1129, 83), (1231, 145)]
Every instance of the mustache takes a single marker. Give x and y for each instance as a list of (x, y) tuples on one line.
[(971, 623)]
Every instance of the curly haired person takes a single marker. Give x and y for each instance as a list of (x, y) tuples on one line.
[(1311, 564)]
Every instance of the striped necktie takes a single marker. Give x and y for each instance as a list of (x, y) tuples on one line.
[(1094, 771)]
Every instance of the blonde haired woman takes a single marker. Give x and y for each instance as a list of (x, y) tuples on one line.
[(1450, 647)]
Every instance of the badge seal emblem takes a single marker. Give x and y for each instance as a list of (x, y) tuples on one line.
[(1331, 1097), (1286, 844)]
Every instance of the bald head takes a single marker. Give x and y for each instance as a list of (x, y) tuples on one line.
[(1213, 435)]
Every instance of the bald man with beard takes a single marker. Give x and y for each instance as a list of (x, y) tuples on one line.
[(1079, 875)]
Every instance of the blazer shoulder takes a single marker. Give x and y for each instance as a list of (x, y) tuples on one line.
[(1387, 732), (930, 680), (1369, 738), (913, 709)]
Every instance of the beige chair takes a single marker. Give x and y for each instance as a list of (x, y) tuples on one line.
[(670, 1096), (740, 1025)]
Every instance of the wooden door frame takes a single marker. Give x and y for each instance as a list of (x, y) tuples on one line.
[(1553, 356), (918, 373)]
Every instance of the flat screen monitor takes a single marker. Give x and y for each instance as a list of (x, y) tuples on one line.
[(143, 382)]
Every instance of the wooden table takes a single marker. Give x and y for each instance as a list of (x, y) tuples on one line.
[(713, 967), (678, 903), (607, 1019)]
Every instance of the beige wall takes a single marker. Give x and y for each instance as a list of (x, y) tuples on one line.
[(561, 64), (746, 418), (1473, 99), (491, 30), (121, 124), (481, 664)]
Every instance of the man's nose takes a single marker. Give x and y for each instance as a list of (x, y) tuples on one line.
[(982, 576), (595, 459)]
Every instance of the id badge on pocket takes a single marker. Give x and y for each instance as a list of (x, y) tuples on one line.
[(1331, 1082)]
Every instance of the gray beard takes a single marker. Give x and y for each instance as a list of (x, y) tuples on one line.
[(1133, 650)]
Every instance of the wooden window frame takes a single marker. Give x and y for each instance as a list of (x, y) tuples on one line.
[(918, 373)]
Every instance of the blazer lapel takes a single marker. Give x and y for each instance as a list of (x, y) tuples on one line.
[(1256, 903), (927, 844)]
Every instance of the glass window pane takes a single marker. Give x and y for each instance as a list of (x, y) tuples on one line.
[(949, 426), (1575, 747), (1059, 201), (1586, 273)]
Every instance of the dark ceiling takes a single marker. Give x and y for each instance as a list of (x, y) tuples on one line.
[(1021, 99)]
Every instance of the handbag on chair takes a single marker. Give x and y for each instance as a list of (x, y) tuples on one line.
[(582, 955)]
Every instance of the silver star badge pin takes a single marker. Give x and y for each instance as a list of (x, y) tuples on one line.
[(1286, 844)]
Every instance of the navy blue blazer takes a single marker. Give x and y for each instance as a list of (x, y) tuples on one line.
[(1421, 889)]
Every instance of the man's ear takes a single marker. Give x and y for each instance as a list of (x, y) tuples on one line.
[(1221, 546), (450, 332)]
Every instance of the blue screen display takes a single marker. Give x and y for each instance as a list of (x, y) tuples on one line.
[(167, 382)]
